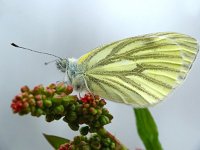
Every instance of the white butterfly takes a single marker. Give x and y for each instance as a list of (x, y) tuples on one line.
[(140, 71)]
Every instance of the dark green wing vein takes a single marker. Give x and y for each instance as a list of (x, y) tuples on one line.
[(159, 67), (135, 85), (155, 56), (155, 81), (98, 50), (97, 82), (105, 82), (138, 71), (118, 47)]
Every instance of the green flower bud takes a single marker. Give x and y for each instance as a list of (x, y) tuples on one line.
[(47, 103), (73, 126), (30, 96), (106, 141), (39, 112), (93, 111), (57, 99), (72, 107), (77, 140), (99, 111), (59, 109), (105, 111), (32, 108), (52, 86), (102, 131), (72, 116), (102, 102), (57, 116), (49, 117), (112, 145), (26, 110), (97, 124), (60, 87), (85, 147), (85, 111), (93, 129), (104, 120), (38, 89), (84, 130), (109, 116), (32, 102), (95, 137), (95, 145), (68, 99)]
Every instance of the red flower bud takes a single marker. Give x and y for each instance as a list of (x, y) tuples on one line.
[(25, 95), (25, 89), (16, 106), (64, 146), (69, 89), (38, 97), (52, 86), (30, 96), (18, 97), (32, 102), (50, 91), (38, 88), (25, 105), (39, 103)]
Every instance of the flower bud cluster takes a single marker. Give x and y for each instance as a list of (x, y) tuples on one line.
[(41, 100), (94, 142), (89, 110), (55, 103)]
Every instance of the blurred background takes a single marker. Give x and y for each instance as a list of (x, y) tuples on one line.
[(72, 28)]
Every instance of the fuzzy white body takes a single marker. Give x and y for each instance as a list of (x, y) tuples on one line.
[(74, 74)]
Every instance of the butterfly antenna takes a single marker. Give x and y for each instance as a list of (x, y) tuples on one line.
[(46, 63), (15, 45)]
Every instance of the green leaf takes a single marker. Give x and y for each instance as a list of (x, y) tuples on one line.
[(55, 141), (147, 129)]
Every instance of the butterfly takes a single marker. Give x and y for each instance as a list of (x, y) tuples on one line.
[(139, 71)]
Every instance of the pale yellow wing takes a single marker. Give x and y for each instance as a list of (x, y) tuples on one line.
[(140, 71)]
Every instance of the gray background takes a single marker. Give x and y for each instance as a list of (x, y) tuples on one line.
[(72, 28)]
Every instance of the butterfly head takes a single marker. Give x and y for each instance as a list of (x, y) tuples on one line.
[(73, 73)]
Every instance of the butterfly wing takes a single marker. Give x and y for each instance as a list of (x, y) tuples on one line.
[(140, 71)]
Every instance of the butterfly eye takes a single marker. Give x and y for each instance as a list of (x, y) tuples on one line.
[(61, 65)]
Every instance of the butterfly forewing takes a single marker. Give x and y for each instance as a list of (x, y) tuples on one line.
[(140, 71)]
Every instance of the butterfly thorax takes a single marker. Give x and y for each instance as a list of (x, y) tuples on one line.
[(74, 74)]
